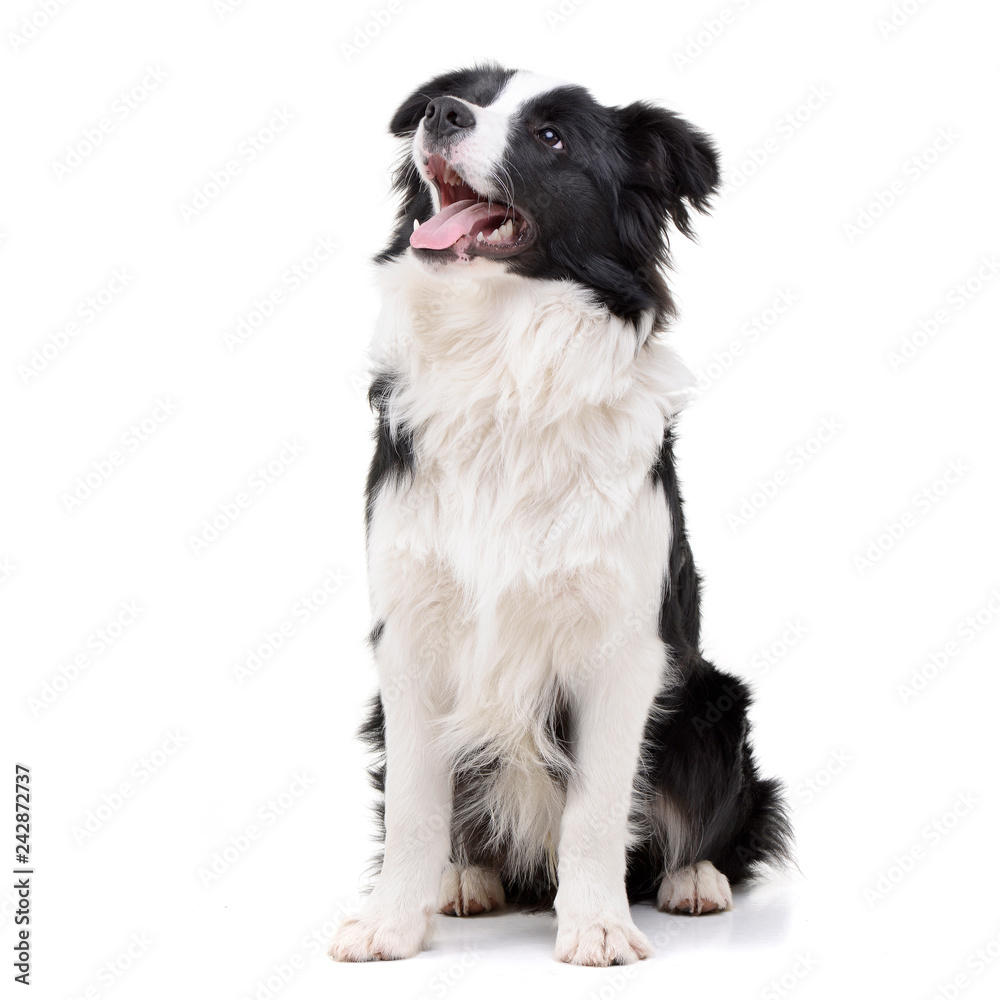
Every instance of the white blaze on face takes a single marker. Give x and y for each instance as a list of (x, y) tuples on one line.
[(479, 157)]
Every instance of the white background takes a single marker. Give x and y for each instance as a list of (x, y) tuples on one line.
[(870, 763)]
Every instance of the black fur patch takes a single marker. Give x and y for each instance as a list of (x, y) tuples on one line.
[(680, 612), (393, 458), (697, 748), (372, 733)]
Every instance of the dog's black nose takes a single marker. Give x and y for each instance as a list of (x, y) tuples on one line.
[(445, 117)]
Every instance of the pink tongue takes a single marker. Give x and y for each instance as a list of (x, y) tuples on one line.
[(452, 223)]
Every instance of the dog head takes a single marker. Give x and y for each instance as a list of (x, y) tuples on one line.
[(506, 171)]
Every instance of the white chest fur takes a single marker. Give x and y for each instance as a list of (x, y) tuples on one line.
[(529, 547), (531, 531)]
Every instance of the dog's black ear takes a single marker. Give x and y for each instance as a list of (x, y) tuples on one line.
[(671, 166), (479, 84), (408, 114)]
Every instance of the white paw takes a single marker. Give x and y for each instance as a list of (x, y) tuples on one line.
[(601, 941), (699, 888), (372, 937), (465, 891)]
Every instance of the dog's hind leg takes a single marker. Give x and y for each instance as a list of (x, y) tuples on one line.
[(470, 889), (695, 889), (712, 820)]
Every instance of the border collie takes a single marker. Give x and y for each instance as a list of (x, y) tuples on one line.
[(547, 731)]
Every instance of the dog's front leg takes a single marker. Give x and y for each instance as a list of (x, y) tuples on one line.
[(611, 706), (397, 918)]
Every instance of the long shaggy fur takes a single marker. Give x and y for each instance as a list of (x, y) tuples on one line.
[(530, 573)]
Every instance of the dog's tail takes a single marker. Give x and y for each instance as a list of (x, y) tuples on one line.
[(706, 797)]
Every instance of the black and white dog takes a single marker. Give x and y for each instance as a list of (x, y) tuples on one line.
[(548, 731)]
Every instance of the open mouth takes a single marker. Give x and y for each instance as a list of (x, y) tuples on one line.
[(469, 224)]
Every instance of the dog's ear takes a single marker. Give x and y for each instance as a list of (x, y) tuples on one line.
[(408, 114), (479, 84), (671, 166)]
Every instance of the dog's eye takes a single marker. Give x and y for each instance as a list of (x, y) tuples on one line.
[(550, 137)]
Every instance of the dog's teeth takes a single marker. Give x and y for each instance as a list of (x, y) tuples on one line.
[(416, 224), (480, 238), (507, 229), (494, 237)]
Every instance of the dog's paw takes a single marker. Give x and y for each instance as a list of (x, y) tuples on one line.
[(601, 941), (699, 888), (465, 891), (380, 938)]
